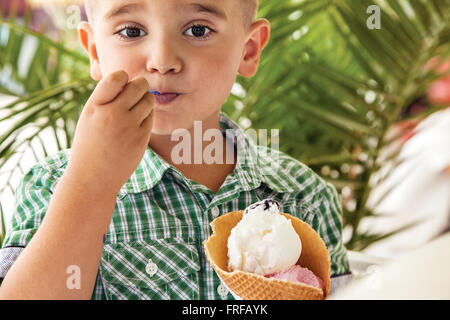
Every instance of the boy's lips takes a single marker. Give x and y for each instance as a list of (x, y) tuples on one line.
[(165, 98)]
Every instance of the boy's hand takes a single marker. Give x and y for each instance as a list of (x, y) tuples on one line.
[(113, 132)]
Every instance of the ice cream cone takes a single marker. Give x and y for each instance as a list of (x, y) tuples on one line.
[(250, 286)]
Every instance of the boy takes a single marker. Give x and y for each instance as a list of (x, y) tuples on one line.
[(124, 219)]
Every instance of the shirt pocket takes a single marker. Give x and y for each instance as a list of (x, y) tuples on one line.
[(152, 270)]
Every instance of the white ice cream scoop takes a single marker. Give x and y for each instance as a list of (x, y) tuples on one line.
[(264, 241)]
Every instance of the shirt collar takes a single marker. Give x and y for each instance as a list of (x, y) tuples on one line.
[(246, 170), (148, 173), (249, 170)]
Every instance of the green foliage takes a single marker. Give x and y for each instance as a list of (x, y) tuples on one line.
[(330, 84), (342, 86)]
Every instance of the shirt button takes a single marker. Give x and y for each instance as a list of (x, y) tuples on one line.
[(151, 268), (222, 291), (215, 212)]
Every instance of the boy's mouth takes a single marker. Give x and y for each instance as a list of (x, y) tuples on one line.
[(164, 98)]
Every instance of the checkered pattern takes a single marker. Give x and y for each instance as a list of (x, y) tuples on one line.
[(7, 258), (153, 249)]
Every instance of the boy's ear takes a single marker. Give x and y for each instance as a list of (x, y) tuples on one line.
[(86, 36), (258, 37)]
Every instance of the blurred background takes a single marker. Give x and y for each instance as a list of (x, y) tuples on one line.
[(360, 91)]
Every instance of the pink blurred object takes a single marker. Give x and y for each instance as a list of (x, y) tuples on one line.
[(439, 91), (298, 274), (7, 6)]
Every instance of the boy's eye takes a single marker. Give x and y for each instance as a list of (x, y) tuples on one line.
[(198, 31), (132, 32)]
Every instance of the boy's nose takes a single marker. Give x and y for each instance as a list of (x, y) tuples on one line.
[(164, 69), (163, 58)]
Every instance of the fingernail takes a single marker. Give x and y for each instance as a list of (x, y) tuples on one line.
[(156, 93)]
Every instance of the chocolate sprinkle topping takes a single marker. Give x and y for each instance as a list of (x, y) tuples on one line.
[(266, 203)]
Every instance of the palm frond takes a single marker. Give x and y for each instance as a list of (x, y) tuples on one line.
[(342, 84), (51, 83)]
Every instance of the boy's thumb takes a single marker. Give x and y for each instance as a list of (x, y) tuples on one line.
[(110, 87)]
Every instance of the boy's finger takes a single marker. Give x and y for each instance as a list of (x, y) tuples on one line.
[(143, 108), (147, 124), (110, 87), (132, 93)]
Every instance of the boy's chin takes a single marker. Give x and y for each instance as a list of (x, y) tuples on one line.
[(161, 131), (165, 127)]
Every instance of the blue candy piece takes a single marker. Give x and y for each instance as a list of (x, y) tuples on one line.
[(156, 93)]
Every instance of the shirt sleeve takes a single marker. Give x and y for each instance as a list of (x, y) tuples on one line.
[(32, 198), (330, 229), (327, 221)]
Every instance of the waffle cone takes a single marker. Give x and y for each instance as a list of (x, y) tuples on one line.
[(250, 286)]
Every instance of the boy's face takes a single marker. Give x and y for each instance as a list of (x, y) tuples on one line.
[(192, 48)]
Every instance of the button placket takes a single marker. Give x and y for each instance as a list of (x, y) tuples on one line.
[(215, 212)]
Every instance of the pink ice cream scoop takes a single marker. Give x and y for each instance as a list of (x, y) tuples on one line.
[(298, 274)]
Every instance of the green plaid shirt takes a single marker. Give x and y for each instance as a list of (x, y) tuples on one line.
[(153, 249)]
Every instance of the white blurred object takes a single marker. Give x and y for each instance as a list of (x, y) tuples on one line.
[(420, 274), (421, 193), (361, 264)]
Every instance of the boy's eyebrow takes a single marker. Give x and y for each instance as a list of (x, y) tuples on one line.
[(122, 9), (208, 8)]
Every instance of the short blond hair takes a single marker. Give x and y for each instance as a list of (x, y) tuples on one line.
[(249, 10)]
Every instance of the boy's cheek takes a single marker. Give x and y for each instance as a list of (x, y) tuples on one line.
[(110, 63)]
